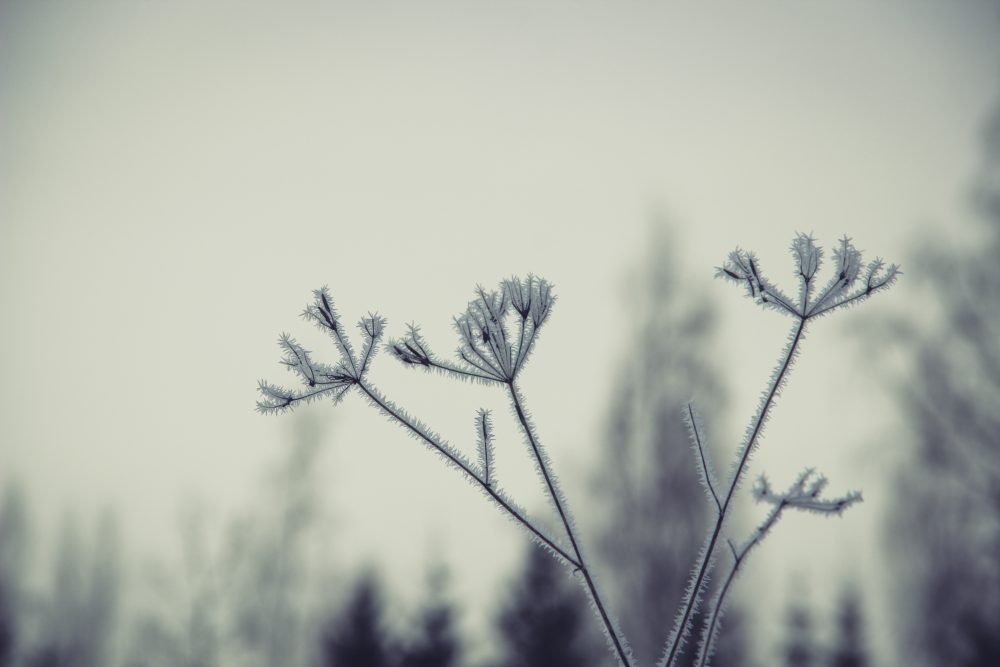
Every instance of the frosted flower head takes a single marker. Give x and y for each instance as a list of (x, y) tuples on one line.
[(497, 332), (804, 494), (851, 282), (319, 379), (808, 256)]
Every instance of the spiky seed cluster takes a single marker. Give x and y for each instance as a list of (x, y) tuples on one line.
[(843, 289), (488, 351), (484, 445), (411, 349), (320, 379), (804, 494)]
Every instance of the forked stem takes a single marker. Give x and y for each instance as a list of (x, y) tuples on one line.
[(703, 566), (488, 488), (619, 644)]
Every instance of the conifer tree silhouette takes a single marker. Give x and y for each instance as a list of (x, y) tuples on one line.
[(545, 622), (356, 637), (799, 649), (80, 611), (13, 560), (437, 642), (850, 648)]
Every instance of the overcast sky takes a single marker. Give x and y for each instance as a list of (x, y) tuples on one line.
[(176, 178)]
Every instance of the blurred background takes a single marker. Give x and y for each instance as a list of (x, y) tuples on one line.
[(176, 177)]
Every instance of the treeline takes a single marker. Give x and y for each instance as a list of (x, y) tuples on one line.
[(79, 618)]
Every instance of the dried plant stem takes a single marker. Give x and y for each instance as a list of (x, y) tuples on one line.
[(704, 564), (434, 442), (714, 614), (555, 495), (739, 556), (575, 559), (487, 354)]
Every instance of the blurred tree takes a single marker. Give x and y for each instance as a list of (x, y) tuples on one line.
[(183, 621), (8, 625), (241, 593), (79, 625), (733, 647), (356, 637), (437, 643), (13, 570), (945, 523), (102, 594), (849, 648), (546, 621), (799, 649), (268, 565), (647, 475)]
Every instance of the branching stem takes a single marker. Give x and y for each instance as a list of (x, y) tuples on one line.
[(703, 566), (720, 599), (469, 472), (488, 354), (700, 445), (555, 495)]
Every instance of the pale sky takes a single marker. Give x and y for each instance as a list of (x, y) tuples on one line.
[(175, 179)]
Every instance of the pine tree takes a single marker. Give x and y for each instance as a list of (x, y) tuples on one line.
[(545, 622), (356, 637), (733, 647), (79, 615), (437, 643), (849, 649), (8, 631), (799, 648), (13, 555)]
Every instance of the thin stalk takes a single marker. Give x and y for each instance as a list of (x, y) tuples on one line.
[(703, 566), (469, 472), (714, 618), (720, 599), (619, 644)]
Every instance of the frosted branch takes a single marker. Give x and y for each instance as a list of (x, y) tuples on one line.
[(497, 332), (803, 494), (742, 268), (372, 329), (484, 442), (696, 431)]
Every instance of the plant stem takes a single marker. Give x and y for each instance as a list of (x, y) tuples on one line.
[(720, 599), (501, 501), (706, 560), (714, 617), (619, 644)]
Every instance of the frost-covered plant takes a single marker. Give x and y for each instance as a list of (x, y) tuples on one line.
[(851, 283), (497, 333)]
